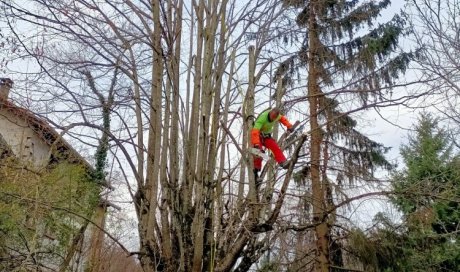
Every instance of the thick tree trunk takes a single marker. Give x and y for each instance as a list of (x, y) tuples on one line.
[(219, 186), (97, 238), (321, 228), (248, 111), (174, 163), (150, 235), (191, 229), (202, 191), (212, 154)]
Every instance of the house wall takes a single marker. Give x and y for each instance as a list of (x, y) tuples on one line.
[(27, 146), (23, 141)]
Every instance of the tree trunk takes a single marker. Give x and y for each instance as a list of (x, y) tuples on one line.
[(174, 163), (248, 111), (150, 234), (212, 154), (321, 228), (97, 238)]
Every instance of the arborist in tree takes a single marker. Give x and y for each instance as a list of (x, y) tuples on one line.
[(261, 136)]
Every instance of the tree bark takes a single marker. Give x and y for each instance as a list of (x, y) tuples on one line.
[(150, 235), (319, 213)]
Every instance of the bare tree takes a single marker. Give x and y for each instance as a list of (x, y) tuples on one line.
[(435, 26), (170, 115)]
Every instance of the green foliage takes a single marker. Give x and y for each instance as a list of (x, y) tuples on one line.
[(360, 155), (40, 212), (431, 174), (349, 47), (382, 249), (427, 193), (351, 44)]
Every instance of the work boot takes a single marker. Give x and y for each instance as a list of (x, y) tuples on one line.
[(284, 164)]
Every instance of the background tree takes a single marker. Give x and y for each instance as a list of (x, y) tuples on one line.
[(426, 192), (351, 66), (427, 195), (435, 27)]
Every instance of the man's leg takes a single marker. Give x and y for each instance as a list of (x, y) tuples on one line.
[(257, 163), (271, 144), (257, 168)]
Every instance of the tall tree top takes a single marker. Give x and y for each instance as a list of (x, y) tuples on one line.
[(353, 48)]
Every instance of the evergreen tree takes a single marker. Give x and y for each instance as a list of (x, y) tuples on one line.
[(427, 194), (348, 57)]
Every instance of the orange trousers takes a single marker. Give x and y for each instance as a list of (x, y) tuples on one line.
[(271, 144)]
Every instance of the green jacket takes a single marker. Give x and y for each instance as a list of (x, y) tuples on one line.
[(265, 125)]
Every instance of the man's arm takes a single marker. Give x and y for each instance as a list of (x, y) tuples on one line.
[(255, 132), (255, 137), (286, 123)]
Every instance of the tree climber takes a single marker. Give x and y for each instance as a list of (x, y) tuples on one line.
[(261, 136)]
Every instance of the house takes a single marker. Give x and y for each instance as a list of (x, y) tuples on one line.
[(30, 137), (30, 140)]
